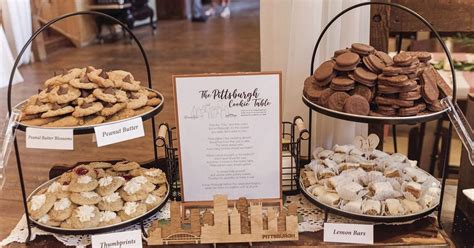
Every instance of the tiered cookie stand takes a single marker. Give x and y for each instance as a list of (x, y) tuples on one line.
[(380, 120), (86, 130)]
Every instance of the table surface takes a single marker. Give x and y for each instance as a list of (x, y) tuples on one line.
[(420, 233)]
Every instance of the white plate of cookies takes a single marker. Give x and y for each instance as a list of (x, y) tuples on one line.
[(85, 97), (374, 187), (98, 196)]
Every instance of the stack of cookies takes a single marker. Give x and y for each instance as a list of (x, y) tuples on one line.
[(363, 81), (98, 194), (88, 96)]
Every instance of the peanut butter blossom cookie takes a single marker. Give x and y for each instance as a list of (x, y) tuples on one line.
[(405, 85), (88, 96), (98, 194)]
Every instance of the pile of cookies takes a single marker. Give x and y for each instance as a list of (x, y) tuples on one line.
[(363, 81), (369, 184), (88, 96), (98, 194)]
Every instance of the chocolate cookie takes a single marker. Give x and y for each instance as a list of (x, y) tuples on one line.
[(385, 110), (356, 104), (404, 59), (324, 71), (341, 51), (411, 111), (391, 71), (363, 91), (347, 61), (313, 93), (397, 81), (364, 76), (362, 49), (429, 88), (324, 98), (376, 62), (393, 101), (411, 95), (337, 100), (435, 106), (387, 60), (342, 83), (445, 89)]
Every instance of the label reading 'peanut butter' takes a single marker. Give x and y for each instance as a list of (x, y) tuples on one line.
[(118, 132)]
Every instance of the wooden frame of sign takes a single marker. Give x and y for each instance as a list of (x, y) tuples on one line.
[(246, 222), (202, 203)]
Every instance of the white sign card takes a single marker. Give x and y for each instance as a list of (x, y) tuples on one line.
[(45, 138), (129, 239), (118, 132), (349, 233), (229, 135)]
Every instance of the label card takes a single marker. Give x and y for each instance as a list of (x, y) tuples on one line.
[(130, 239), (56, 139), (118, 132), (349, 233), (229, 129)]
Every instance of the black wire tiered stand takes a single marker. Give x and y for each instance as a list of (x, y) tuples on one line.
[(381, 120), (87, 130)]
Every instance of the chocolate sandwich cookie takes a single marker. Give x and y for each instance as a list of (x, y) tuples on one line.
[(324, 73), (411, 95), (387, 60), (342, 83), (313, 93), (411, 111), (324, 98), (397, 81), (407, 86), (324, 70), (404, 59), (429, 88), (347, 61), (337, 100), (341, 51), (422, 56), (376, 62), (362, 49), (356, 104), (393, 101), (411, 69), (385, 110), (445, 89), (435, 106), (391, 71), (364, 76), (363, 91)]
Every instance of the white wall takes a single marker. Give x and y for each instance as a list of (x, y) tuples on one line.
[(288, 32)]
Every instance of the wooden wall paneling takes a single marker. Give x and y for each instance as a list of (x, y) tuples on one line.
[(445, 16), (38, 46)]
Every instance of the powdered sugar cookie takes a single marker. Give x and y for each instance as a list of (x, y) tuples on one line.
[(85, 198), (85, 217), (111, 202), (62, 209), (109, 184), (108, 218), (132, 210), (39, 205), (83, 184), (47, 220), (125, 166)]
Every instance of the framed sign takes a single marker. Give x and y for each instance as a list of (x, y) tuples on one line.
[(229, 131)]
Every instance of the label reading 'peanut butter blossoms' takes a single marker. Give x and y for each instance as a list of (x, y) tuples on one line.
[(57, 139), (114, 133)]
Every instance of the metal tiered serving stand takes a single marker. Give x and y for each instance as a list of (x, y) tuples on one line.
[(381, 120), (85, 130)]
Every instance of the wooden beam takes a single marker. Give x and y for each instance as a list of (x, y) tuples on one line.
[(38, 46)]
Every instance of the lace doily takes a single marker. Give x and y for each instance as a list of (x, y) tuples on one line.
[(20, 232), (311, 219)]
